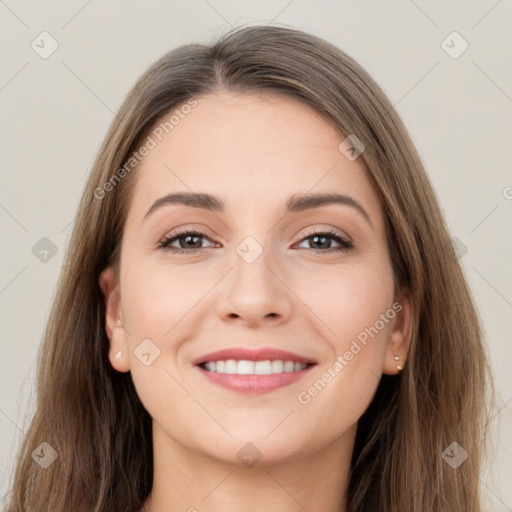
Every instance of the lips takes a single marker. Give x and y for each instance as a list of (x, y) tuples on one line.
[(253, 371)]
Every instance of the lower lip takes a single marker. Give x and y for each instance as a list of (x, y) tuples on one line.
[(254, 383)]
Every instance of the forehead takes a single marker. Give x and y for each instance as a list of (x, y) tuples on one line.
[(250, 149)]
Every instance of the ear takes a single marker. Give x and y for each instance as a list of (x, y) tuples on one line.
[(399, 339), (114, 324)]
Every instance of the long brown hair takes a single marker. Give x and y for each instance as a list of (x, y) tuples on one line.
[(91, 415)]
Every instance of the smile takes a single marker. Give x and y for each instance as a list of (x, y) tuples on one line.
[(245, 370), (243, 367)]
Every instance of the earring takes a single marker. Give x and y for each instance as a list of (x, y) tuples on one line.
[(398, 367), (118, 355), (118, 322)]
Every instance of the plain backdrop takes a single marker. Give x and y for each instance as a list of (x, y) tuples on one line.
[(453, 91)]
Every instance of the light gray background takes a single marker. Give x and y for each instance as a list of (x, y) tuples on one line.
[(55, 113)]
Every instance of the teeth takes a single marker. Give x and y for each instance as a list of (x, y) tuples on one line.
[(243, 367), (277, 366), (289, 366), (231, 366)]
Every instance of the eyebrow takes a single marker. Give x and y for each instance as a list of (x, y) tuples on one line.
[(295, 203)]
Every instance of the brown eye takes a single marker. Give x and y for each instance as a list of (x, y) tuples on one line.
[(189, 241), (322, 241)]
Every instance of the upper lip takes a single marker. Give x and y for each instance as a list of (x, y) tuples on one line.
[(245, 354)]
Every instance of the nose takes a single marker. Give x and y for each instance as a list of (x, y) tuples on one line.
[(255, 294)]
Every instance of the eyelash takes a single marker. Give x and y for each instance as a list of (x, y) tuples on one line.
[(345, 245)]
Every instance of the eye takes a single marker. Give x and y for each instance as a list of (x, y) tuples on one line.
[(189, 242), (323, 239)]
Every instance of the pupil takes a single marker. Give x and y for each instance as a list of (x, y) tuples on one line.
[(189, 237)]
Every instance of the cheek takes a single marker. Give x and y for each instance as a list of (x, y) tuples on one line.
[(157, 309), (348, 300), (157, 297), (357, 306), (152, 305), (161, 303)]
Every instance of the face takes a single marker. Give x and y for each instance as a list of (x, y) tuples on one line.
[(258, 316)]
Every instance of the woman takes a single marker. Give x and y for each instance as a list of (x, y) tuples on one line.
[(260, 304)]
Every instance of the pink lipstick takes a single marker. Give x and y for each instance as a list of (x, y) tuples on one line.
[(253, 371)]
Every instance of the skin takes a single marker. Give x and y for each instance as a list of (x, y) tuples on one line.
[(253, 151)]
